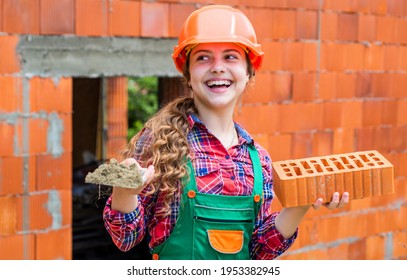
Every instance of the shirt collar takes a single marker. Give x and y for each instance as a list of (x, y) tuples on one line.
[(193, 119)]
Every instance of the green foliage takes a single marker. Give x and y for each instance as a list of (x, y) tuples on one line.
[(143, 102)]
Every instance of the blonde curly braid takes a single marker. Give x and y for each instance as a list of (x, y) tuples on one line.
[(169, 149)]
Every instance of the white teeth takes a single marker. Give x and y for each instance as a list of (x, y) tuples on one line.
[(219, 83)]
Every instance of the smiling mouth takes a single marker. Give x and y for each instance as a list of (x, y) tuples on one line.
[(218, 83)]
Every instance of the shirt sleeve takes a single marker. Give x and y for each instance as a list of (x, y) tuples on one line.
[(126, 229), (267, 242)]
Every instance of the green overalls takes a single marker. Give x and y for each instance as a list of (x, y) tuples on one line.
[(210, 226)]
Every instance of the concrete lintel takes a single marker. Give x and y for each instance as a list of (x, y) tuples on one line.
[(74, 56)]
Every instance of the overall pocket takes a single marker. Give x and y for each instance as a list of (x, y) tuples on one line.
[(222, 233)]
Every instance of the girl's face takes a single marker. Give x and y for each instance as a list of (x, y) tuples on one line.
[(218, 74)]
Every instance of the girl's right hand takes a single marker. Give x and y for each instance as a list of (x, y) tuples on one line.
[(125, 200)]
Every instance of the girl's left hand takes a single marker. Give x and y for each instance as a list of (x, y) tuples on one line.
[(336, 202)]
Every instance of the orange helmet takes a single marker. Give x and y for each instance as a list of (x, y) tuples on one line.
[(217, 24)]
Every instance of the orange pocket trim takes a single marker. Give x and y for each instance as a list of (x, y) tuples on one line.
[(226, 241)]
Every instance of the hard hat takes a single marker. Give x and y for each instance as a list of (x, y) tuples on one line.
[(217, 24)]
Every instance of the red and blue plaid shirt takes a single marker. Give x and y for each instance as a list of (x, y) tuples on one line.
[(217, 171)]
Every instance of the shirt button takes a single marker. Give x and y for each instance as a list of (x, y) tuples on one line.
[(227, 157), (232, 178)]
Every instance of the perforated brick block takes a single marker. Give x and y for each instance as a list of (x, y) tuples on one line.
[(362, 174)]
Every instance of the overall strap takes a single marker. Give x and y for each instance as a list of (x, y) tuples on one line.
[(257, 170)]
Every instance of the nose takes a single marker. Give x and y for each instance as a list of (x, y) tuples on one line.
[(217, 66)]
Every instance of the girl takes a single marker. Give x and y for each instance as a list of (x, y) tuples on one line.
[(209, 184)]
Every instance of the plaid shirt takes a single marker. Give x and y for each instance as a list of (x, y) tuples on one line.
[(217, 171)]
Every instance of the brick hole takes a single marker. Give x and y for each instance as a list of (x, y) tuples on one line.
[(313, 161), (333, 159), (289, 174), (305, 164), (325, 162), (345, 160), (283, 165), (352, 157), (358, 163), (318, 168), (286, 169), (376, 158), (380, 163), (371, 155), (364, 158), (329, 169), (350, 166), (370, 164), (297, 171), (310, 171), (293, 164), (339, 165)]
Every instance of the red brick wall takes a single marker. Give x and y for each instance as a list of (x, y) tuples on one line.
[(334, 81)]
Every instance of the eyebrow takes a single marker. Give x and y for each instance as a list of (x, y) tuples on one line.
[(225, 51)]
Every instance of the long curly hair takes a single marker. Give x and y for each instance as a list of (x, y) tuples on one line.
[(169, 148)]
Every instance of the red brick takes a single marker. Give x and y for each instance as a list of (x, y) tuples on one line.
[(57, 17), (333, 57), (401, 109), (391, 58), (343, 140), (154, 19), (50, 96), (372, 113), (35, 205), (7, 133), (54, 245), (354, 55), (281, 86), (178, 14), (386, 27), (54, 172), (401, 30), (91, 18), (308, 4), (395, 7), (374, 57), (307, 25), (375, 247), (265, 120), (345, 85), (8, 215), (310, 59), (348, 27), (322, 143), (261, 91), (17, 247), (304, 86), (301, 145), (403, 57), (280, 146), (293, 56), (10, 94), (329, 26), (327, 85), (284, 24), (263, 22), (273, 55), (367, 27), (124, 18), (363, 84), (9, 60), (398, 82), (381, 84), (12, 170), (22, 16), (378, 6), (362, 174)]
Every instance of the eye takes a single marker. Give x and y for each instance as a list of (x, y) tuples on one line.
[(231, 57), (202, 58)]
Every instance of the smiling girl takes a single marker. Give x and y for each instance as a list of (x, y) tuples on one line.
[(209, 185)]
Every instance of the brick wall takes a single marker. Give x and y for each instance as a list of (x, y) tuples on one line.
[(334, 81)]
